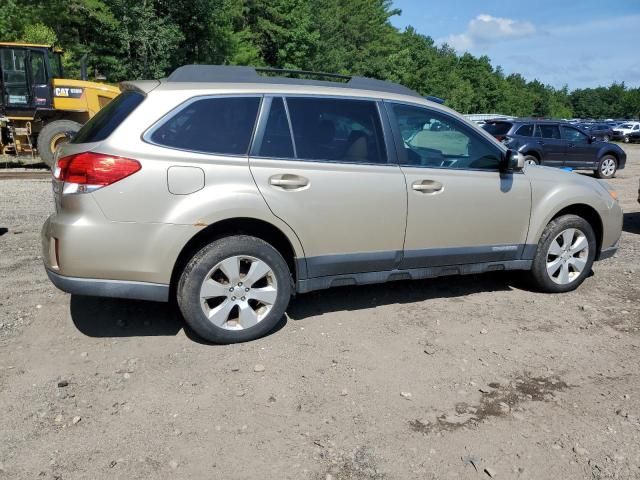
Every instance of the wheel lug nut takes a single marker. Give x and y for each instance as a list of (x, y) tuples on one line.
[(233, 298), (243, 298), (239, 284), (246, 289), (231, 289)]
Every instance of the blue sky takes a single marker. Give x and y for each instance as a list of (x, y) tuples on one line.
[(581, 43)]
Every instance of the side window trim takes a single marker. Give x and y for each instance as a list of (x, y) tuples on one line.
[(293, 137), (401, 153), (148, 133)]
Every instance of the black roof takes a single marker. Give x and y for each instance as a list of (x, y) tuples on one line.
[(242, 74)]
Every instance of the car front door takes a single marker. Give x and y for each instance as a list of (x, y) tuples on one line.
[(554, 148), (461, 209), (322, 166), (581, 153)]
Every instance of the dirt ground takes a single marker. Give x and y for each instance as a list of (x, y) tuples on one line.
[(463, 377)]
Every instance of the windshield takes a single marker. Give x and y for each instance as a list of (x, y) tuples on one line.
[(626, 125), (56, 64)]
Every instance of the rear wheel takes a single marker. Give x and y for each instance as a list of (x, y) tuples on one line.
[(607, 167), (565, 254), (531, 160), (234, 290), (52, 136)]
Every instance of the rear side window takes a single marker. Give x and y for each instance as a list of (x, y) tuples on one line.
[(107, 120), (340, 130), (525, 131), (549, 131), (222, 125), (497, 128), (277, 135)]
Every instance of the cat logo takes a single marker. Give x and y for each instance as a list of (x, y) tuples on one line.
[(69, 92)]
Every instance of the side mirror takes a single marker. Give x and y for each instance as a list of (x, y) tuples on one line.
[(512, 160), (593, 139)]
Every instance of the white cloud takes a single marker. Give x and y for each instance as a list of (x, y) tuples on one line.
[(485, 29)]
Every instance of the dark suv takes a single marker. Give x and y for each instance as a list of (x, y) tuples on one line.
[(558, 144), (601, 131)]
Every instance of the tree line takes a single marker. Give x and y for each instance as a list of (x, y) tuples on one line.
[(144, 39)]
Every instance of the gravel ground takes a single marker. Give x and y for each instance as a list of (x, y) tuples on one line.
[(464, 377)]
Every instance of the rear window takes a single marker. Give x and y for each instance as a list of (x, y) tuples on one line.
[(497, 128), (221, 125), (107, 120)]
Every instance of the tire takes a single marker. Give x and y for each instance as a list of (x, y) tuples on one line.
[(625, 139), (53, 135), (531, 160), (226, 291), (607, 167), (544, 274)]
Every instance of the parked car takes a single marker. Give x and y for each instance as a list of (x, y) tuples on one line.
[(229, 191), (634, 136), (625, 130), (600, 131), (559, 144)]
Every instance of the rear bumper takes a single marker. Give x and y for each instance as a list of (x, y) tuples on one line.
[(155, 292)]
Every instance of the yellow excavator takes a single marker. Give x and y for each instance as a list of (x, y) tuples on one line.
[(39, 107)]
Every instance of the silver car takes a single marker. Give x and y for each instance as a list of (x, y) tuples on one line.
[(230, 189)]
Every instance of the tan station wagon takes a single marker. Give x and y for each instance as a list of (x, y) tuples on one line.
[(230, 189)]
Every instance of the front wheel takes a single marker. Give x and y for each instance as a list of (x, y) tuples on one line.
[(565, 254), (607, 167), (605, 138), (531, 160), (625, 139), (234, 290)]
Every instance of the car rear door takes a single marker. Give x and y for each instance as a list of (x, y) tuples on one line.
[(554, 148), (461, 209), (321, 164), (580, 152)]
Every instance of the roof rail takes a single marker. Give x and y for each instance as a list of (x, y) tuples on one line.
[(244, 74)]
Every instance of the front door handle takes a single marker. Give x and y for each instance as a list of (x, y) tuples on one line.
[(427, 186), (288, 181)]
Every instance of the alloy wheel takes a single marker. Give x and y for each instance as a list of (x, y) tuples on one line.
[(567, 256), (608, 167), (238, 292)]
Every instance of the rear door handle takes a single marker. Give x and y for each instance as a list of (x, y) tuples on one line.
[(427, 186), (288, 181)]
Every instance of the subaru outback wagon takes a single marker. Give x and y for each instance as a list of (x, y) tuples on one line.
[(558, 144), (229, 189)]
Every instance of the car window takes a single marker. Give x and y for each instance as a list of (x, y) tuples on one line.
[(497, 128), (525, 130), (276, 141), (108, 118), (432, 139), (549, 131), (574, 135), (340, 130), (625, 125), (222, 125)]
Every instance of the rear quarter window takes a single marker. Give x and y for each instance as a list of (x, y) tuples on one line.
[(497, 128), (107, 120), (217, 125)]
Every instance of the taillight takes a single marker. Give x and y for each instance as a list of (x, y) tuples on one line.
[(94, 169)]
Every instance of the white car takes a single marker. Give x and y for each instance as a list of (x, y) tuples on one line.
[(622, 131)]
